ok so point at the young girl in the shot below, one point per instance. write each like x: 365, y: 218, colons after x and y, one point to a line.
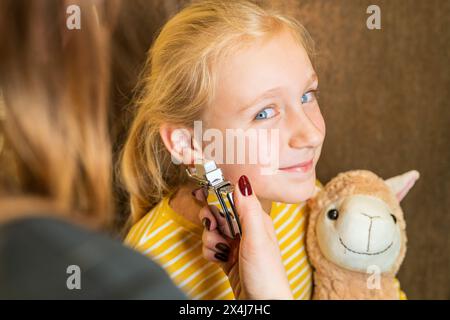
x: 232, y: 65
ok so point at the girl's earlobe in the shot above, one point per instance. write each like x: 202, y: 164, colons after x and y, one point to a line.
x: 401, y: 184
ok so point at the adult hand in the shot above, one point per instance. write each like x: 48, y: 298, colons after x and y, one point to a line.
x: 252, y: 263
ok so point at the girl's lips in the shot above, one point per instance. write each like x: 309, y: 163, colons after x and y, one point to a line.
x: 301, y: 167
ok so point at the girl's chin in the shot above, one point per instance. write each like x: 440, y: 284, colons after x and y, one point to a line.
x: 295, y: 192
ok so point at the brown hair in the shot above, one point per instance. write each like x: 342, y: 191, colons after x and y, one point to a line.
x: 55, y: 87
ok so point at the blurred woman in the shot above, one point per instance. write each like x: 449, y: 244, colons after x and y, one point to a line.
x: 55, y: 159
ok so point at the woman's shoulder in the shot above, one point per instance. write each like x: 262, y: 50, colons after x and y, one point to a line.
x: 57, y: 240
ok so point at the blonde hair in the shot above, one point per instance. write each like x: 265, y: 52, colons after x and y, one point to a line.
x: 178, y: 85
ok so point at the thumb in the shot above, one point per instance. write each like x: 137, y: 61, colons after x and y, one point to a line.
x: 248, y: 207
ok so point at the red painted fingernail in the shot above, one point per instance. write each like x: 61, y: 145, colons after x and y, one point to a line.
x: 244, y: 186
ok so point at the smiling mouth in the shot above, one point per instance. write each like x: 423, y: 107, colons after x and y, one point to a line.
x: 301, y: 167
x: 366, y: 253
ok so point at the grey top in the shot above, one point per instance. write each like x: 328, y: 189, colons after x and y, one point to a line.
x: 42, y: 258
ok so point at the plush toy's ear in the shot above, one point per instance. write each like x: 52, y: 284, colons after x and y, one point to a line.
x: 401, y: 184
x: 311, y: 202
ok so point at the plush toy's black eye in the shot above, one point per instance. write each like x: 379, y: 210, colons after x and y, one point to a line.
x: 394, y: 218
x: 333, y: 214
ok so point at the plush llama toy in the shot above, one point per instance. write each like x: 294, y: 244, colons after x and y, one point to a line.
x: 356, y: 237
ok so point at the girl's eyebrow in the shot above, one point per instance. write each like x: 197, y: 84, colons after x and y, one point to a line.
x: 312, y: 79
x: 266, y: 94
x: 271, y: 92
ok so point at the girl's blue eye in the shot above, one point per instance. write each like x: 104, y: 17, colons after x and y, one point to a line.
x: 267, y: 113
x: 308, y: 97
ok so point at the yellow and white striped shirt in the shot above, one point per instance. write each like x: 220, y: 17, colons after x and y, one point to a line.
x: 175, y: 243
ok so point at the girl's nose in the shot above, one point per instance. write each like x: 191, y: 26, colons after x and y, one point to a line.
x: 305, y: 133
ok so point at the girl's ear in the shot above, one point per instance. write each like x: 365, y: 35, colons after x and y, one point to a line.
x: 180, y: 143
x: 401, y: 184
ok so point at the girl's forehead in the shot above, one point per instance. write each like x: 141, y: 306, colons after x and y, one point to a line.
x: 262, y: 67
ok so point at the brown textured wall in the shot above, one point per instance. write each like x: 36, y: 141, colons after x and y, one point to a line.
x: 385, y: 98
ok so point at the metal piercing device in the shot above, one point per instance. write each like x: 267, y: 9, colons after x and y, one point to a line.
x: 207, y: 174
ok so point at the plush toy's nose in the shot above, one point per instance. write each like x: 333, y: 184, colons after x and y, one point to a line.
x: 365, y: 225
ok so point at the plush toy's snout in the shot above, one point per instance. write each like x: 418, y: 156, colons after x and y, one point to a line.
x: 367, y: 225
x: 359, y: 232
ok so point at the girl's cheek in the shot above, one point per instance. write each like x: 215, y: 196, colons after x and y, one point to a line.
x: 246, y: 159
x: 234, y: 172
x: 317, y: 119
